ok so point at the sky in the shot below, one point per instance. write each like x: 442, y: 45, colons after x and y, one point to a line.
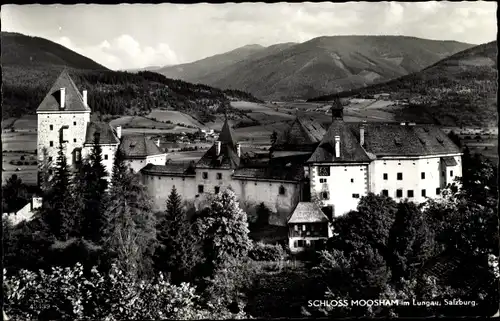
x: 128, y: 36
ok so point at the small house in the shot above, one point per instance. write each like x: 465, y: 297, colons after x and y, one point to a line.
x: 307, y: 227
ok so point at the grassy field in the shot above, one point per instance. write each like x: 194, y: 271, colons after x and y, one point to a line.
x: 27, y: 167
x: 175, y: 117
x: 19, y: 141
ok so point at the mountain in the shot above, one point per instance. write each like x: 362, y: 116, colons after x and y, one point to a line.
x: 22, y: 50
x: 458, y: 90
x: 148, y: 68
x: 26, y: 81
x: 201, y: 68
x: 318, y: 66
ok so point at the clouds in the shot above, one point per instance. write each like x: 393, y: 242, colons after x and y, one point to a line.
x: 138, y: 35
x: 124, y: 52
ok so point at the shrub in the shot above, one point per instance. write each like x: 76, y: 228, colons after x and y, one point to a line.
x: 72, y: 293
x: 22, y: 157
x: 19, y: 163
x: 266, y: 252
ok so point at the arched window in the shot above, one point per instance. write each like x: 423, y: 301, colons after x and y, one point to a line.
x: 282, y: 190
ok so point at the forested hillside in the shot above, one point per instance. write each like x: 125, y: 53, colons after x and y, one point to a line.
x: 26, y: 82
x: 459, y: 90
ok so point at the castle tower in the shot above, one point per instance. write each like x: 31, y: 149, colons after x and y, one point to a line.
x: 63, y: 116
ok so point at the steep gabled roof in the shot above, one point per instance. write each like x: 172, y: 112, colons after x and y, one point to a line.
x: 227, y: 159
x: 350, y: 150
x: 307, y: 212
x: 73, y: 101
x: 302, y: 131
x: 138, y: 147
x: 106, y: 133
x: 226, y: 135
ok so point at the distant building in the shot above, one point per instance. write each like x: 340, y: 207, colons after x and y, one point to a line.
x: 26, y: 213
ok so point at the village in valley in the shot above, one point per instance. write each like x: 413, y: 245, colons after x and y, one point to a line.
x: 152, y: 194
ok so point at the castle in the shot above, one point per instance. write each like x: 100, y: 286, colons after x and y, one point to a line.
x: 309, y: 165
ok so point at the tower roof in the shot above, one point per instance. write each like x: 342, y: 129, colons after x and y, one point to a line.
x: 226, y: 135
x: 73, y: 98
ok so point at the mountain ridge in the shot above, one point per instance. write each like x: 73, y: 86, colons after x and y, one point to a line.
x: 320, y: 65
x: 456, y: 91
x: 26, y: 81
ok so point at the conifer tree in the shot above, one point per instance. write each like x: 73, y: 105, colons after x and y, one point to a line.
x: 178, y: 252
x: 93, y: 192
x: 57, y: 211
x: 129, y: 228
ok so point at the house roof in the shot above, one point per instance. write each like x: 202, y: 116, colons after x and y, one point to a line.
x: 292, y: 173
x: 106, y: 133
x: 449, y: 161
x: 74, y: 100
x: 138, y: 147
x: 172, y: 169
x: 350, y: 150
x: 307, y: 212
x: 382, y: 139
x: 302, y: 131
x: 227, y: 159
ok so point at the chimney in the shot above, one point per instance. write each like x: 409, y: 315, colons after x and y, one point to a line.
x: 238, y: 149
x: 362, y: 135
x: 158, y: 142
x: 337, y: 146
x: 119, y: 132
x: 63, y: 98
x: 217, y: 148
x: 84, y: 94
x: 36, y: 202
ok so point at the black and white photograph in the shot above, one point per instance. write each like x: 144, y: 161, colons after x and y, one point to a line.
x: 288, y: 160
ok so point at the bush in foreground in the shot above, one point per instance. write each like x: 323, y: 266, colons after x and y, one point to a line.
x: 73, y: 293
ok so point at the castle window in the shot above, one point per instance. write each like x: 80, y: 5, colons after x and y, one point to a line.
x: 78, y: 156
x: 324, y: 170
x: 51, y: 143
x: 200, y: 189
x: 204, y: 175
x: 74, y: 140
x: 451, y: 173
x: 322, y: 180
x: 385, y: 176
x: 51, y: 127
x: 423, y: 193
x: 410, y: 193
x: 105, y: 156
x: 282, y: 190
x: 300, y: 243
x: 352, y: 180
x: 217, y: 189
x: 296, y: 227
x: 355, y: 195
x: 385, y: 192
x: 422, y: 175
x: 324, y: 195
x: 400, y: 176
x: 399, y: 193
x: 219, y: 175
x: 74, y: 123
x: 438, y: 191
